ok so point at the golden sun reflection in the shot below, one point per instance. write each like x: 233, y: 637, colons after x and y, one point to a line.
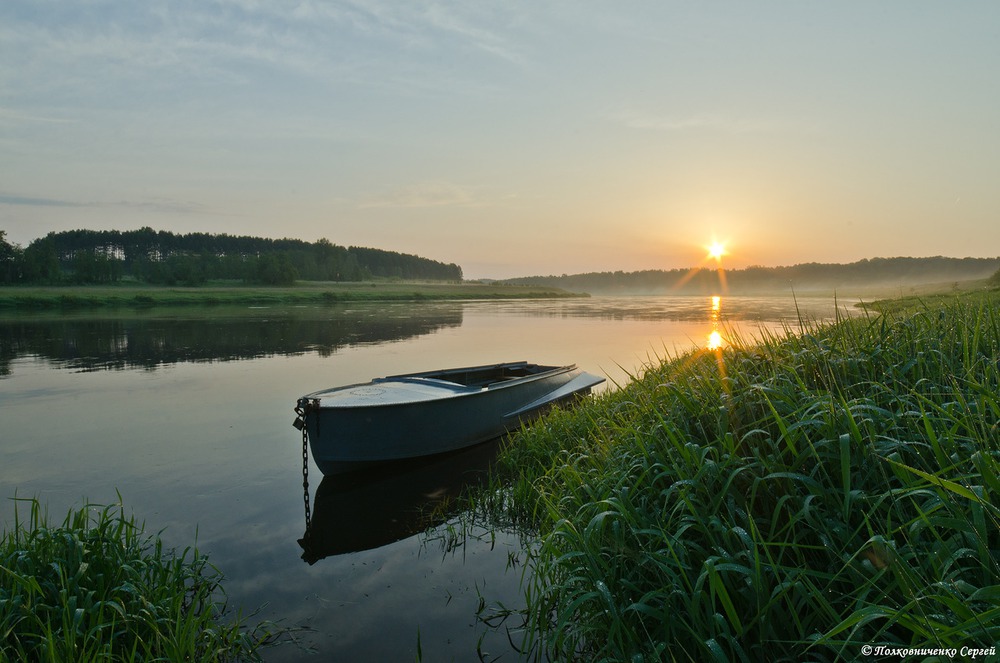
x: 715, y: 339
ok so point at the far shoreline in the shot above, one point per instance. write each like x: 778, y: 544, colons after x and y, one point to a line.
x: 137, y: 296
x: 141, y: 295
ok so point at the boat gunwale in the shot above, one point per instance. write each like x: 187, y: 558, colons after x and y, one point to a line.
x: 460, y: 390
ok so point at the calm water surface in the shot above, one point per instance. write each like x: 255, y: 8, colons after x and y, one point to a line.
x: 188, y: 413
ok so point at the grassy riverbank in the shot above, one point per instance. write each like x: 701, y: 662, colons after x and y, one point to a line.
x: 798, y: 498
x: 96, y: 588
x: 306, y: 293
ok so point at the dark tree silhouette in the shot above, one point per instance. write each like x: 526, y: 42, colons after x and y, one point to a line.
x: 102, y: 256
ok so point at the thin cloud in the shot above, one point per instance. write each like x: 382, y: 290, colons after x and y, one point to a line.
x: 703, y: 121
x: 9, y: 116
x: 163, y: 205
x: 481, y: 38
x: 411, y: 25
x: 28, y: 201
x: 155, y: 205
x: 101, y: 51
x: 425, y: 194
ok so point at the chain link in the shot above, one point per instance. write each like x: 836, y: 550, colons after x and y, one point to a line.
x: 305, y: 477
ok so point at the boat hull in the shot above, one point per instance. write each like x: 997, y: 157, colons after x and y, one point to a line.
x: 413, y: 416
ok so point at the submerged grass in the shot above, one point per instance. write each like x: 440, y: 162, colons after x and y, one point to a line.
x: 96, y: 588
x: 794, y: 498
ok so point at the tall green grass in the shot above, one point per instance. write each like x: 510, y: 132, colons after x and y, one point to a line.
x: 97, y: 588
x: 794, y: 498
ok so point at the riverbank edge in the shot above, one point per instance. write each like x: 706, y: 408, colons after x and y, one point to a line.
x: 130, y: 294
x: 26, y: 298
x: 645, y: 502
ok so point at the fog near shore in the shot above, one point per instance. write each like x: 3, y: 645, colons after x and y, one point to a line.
x: 875, y: 277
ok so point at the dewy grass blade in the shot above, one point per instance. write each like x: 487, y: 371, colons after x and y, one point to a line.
x: 950, y: 486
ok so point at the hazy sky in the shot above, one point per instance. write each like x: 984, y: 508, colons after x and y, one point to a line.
x: 513, y: 138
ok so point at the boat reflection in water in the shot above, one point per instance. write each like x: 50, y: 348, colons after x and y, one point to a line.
x: 373, y: 507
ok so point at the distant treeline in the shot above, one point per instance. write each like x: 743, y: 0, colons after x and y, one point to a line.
x: 106, y: 256
x: 806, y: 276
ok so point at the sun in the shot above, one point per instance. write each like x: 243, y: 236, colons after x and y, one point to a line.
x: 716, y: 250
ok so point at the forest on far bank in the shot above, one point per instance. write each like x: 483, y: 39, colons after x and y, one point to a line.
x: 868, y: 273
x: 162, y: 257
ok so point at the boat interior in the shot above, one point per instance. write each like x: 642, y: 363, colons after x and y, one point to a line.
x: 481, y: 376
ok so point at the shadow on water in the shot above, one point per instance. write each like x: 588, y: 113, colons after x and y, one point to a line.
x: 370, y: 508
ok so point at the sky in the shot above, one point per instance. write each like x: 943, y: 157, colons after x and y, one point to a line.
x: 512, y: 138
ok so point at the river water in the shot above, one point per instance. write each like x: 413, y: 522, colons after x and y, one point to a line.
x: 186, y: 413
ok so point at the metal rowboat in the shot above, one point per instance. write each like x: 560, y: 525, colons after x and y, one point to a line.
x: 421, y: 414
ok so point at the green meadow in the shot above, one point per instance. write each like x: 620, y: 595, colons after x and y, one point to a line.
x: 133, y: 295
x: 799, y: 497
